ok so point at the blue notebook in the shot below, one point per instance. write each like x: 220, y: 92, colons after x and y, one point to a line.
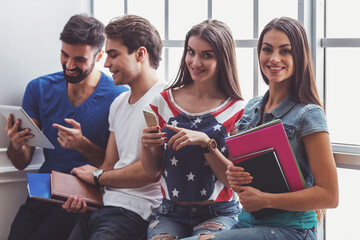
x: 39, y: 187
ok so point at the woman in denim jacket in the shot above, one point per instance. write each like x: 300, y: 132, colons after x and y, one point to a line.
x: 287, y: 68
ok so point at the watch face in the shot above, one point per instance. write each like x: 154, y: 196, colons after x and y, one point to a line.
x: 213, y: 145
x: 98, y: 172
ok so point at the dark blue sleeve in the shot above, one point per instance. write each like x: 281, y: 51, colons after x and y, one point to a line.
x: 30, y: 101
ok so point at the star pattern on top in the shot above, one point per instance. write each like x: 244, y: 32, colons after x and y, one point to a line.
x: 197, y: 120
x: 173, y: 161
x: 217, y: 127
x: 175, y: 193
x: 186, y: 174
x: 190, y: 176
x: 203, y: 192
x: 174, y: 123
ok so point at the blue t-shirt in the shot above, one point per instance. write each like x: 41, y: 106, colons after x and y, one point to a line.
x: 46, y: 100
x: 299, y: 120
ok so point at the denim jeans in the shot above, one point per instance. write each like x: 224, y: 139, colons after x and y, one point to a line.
x: 180, y: 221
x: 110, y: 223
x: 37, y: 220
x: 263, y: 233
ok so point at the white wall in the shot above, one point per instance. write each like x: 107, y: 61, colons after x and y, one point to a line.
x: 29, y: 47
x: 29, y: 43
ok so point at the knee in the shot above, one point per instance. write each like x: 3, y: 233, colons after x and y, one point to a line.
x: 161, y: 236
x: 164, y: 237
x: 211, y: 226
x: 206, y: 236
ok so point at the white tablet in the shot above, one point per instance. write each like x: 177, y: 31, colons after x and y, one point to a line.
x: 26, y: 122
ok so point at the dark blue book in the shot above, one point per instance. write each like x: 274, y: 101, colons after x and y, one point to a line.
x: 268, y: 176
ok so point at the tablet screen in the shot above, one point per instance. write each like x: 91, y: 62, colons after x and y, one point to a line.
x: 40, y: 139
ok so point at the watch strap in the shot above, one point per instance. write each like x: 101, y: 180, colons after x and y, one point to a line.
x: 205, y: 149
x: 97, y: 176
x: 209, y: 148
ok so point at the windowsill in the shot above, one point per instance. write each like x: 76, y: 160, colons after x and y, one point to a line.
x: 346, y: 156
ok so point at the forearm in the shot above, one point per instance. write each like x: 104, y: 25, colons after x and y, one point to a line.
x: 92, y: 152
x: 20, y: 158
x: 132, y: 176
x: 309, y: 199
x: 151, y: 160
x: 218, y: 164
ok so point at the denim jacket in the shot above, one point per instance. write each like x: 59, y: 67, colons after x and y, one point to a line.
x: 299, y: 120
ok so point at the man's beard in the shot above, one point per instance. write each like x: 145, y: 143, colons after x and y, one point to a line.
x: 80, y: 76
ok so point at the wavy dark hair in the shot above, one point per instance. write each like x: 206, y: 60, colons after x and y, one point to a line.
x: 83, y: 29
x: 219, y: 36
x: 134, y: 32
x: 302, y: 86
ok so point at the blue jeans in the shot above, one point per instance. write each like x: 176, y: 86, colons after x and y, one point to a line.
x: 37, y: 220
x: 178, y: 221
x: 110, y: 223
x: 263, y: 233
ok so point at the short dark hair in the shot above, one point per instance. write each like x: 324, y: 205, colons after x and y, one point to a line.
x: 134, y: 32
x: 83, y: 29
x: 302, y: 86
x: 219, y: 36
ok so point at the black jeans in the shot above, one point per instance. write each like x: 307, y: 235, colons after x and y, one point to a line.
x: 37, y: 220
x: 110, y: 223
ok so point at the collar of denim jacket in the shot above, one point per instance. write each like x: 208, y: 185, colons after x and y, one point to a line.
x: 278, y: 112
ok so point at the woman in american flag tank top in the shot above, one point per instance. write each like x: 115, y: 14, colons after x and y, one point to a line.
x: 187, y: 148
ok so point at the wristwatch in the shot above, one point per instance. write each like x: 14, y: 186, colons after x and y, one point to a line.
x: 210, y: 146
x: 97, y: 174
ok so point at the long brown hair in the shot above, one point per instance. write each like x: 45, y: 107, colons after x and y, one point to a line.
x: 219, y: 36
x: 302, y: 86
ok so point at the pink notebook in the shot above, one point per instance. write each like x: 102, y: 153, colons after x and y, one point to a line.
x: 273, y: 135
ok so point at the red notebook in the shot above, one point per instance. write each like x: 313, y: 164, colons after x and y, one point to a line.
x: 65, y: 185
x: 269, y: 135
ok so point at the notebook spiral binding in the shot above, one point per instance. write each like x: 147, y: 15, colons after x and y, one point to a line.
x: 252, y: 154
x: 47, y: 199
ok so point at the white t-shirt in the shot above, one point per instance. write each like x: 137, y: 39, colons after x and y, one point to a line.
x: 127, y: 122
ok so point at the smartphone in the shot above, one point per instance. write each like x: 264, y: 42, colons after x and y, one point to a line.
x: 150, y: 118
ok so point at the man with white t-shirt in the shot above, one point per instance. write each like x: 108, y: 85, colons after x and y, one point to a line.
x: 133, y: 48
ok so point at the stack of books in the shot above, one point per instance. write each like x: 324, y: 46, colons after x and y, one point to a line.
x: 265, y: 153
x: 57, y: 187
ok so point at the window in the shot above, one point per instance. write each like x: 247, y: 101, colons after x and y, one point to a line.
x: 341, y: 72
x: 340, y: 15
x: 169, y: 17
x: 341, y: 46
